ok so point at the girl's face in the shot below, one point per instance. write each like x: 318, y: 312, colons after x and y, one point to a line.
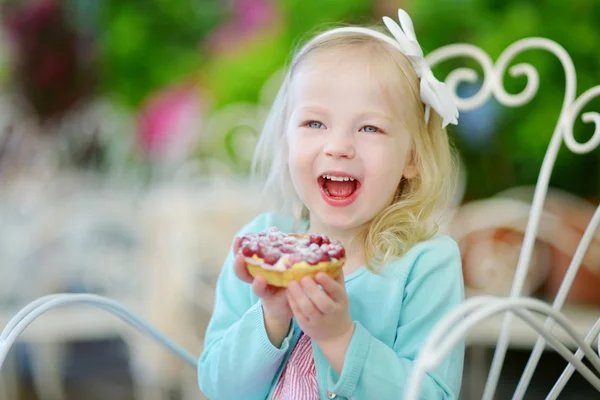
x: 347, y: 150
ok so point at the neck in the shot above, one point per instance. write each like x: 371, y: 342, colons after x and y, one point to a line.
x: 351, y: 239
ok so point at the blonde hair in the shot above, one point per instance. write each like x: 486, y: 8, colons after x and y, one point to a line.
x: 410, y: 217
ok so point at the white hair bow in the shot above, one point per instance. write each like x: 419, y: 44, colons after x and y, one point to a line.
x: 434, y: 94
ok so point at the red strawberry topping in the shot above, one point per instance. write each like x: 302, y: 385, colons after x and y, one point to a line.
x: 271, y: 245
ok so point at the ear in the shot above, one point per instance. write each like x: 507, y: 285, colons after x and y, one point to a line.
x: 410, y: 169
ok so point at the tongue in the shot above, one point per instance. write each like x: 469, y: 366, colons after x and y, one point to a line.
x: 340, y: 188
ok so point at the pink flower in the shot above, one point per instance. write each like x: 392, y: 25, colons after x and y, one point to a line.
x: 169, y: 122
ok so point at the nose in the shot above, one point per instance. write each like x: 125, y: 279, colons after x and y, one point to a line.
x: 339, y: 145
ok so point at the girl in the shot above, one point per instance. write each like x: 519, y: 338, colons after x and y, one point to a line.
x: 356, y: 140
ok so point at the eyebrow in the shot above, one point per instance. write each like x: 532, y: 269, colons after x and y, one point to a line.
x: 312, y: 108
x: 376, y: 114
x: 363, y: 115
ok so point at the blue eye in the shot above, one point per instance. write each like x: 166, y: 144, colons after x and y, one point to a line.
x: 371, y: 129
x: 314, y: 124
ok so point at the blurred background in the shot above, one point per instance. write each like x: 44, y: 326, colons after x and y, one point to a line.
x: 126, y: 133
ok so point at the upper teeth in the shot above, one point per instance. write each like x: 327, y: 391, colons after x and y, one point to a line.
x: 338, y: 178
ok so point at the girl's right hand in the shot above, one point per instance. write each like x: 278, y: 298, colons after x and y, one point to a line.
x: 276, y: 308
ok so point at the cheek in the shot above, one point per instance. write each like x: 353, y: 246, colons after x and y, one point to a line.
x: 300, y: 163
x: 388, y: 182
x: 389, y: 169
x: 295, y: 154
x: 301, y: 150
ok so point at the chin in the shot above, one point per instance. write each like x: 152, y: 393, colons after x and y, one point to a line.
x: 340, y: 220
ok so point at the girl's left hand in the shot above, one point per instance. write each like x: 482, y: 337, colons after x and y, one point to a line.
x: 322, y: 314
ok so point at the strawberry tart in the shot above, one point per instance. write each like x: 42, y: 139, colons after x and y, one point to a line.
x: 282, y: 257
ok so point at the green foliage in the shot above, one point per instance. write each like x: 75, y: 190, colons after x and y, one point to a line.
x: 240, y: 76
x: 148, y: 44
x: 523, y: 134
x: 305, y: 16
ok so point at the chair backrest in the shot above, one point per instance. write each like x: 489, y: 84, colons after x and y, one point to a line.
x: 475, y: 310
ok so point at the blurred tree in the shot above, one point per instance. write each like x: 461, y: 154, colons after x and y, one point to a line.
x: 49, y: 69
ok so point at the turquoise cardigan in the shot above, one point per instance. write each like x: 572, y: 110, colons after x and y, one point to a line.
x: 394, y: 310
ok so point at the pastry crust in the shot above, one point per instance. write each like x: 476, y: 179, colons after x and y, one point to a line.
x: 295, y: 273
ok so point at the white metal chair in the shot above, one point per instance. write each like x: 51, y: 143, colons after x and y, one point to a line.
x: 475, y: 310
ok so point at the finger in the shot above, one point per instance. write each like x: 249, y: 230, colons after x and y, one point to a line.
x: 340, y: 278
x: 241, y: 269
x: 300, y: 317
x: 320, y: 299
x: 333, y: 287
x: 303, y: 302
x: 260, y: 287
x: 237, y: 242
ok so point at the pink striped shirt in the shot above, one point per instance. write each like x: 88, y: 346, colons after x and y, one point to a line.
x: 298, y: 380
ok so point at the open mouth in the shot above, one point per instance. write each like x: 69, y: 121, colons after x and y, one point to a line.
x: 338, y: 187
